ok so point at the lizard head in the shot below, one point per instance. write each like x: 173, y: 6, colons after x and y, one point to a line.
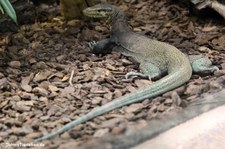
x: 101, y: 11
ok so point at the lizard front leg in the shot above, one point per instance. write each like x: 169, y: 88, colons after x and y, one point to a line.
x: 149, y: 71
x: 102, y: 47
x: 201, y: 64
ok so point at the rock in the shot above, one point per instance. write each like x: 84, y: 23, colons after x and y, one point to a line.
x: 134, y: 108
x: 69, y: 144
x: 40, y: 91
x: 26, y: 87
x: 97, y: 90
x: 102, y: 72
x: 96, y: 100
x: 3, y: 83
x: 142, y: 83
x: 53, y: 88
x: 32, y: 60
x: 161, y: 108
x: 33, y: 135
x: 118, y: 130
x: 175, y: 99
x: 42, y: 76
x: 1, y: 75
x: 112, y: 122
x: 101, y: 132
x: 196, y: 89
x: 15, y: 64
x: 29, y: 96
x: 69, y: 90
x: 23, y: 106
x: 53, y: 110
x: 219, y: 73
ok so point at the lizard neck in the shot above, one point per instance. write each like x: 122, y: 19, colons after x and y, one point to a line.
x: 119, y: 23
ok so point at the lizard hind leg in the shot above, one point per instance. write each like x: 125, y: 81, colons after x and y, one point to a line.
x: 149, y: 71
x: 202, y: 65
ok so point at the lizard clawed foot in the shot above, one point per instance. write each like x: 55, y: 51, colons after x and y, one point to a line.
x: 91, y: 44
x: 208, y: 70
x: 132, y: 73
x: 204, y: 4
x: 213, y: 69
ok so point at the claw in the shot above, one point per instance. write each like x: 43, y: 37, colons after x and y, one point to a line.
x: 129, y: 74
x: 204, y: 4
x: 213, y: 69
x: 92, y: 44
x: 207, y: 70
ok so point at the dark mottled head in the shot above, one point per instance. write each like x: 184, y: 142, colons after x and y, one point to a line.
x: 102, y: 11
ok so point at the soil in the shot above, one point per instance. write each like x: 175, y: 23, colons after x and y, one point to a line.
x: 49, y: 77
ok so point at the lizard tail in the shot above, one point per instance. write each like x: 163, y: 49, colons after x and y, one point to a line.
x: 172, y: 80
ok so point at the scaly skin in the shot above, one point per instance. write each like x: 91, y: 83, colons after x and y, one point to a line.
x: 156, y: 59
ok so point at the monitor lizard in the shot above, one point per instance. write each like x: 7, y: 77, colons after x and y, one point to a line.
x: 156, y: 59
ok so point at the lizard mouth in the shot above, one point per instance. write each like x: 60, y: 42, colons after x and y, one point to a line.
x: 92, y: 14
